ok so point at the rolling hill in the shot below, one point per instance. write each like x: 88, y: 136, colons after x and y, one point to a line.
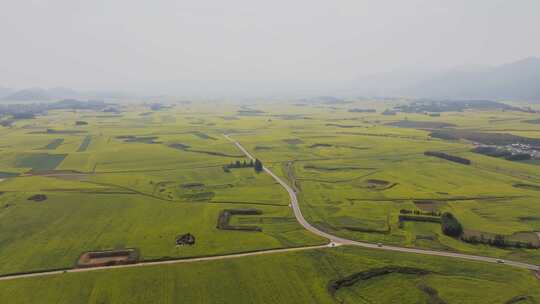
x: 517, y: 80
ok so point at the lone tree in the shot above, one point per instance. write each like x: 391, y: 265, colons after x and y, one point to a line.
x: 450, y: 225
x: 258, y: 166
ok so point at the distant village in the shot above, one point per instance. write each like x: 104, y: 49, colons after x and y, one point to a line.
x: 515, y: 151
x: 533, y: 151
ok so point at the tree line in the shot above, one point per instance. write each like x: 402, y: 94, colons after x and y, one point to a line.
x: 257, y: 165
x: 418, y: 212
x: 497, y: 241
x: 452, y: 158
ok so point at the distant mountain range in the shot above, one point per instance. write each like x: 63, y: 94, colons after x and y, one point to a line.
x: 5, y: 91
x: 518, y: 80
x: 31, y: 94
x: 40, y: 94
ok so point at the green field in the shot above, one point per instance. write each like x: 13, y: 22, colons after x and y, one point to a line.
x: 85, y: 143
x: 140, y: 178
x: 283, y: 278
x: 55, y: 143
x: 40, y: 162
x: 338, y: 169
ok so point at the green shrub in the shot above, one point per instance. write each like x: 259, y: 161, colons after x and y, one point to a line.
x: 450, y: 225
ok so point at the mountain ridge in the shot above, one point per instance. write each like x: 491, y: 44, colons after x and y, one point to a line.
x: 515, y: 80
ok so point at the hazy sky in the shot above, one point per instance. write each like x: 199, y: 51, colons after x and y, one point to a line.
x: 235, y: 46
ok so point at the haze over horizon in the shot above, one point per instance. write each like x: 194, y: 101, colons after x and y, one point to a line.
x: 255, y: 48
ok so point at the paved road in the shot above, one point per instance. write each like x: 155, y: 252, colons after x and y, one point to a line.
x: 142, y: 264
x: 336, y: 240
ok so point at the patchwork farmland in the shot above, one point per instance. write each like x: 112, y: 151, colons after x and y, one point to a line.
x: 120, y: 189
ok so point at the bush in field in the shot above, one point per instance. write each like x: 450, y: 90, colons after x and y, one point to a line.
x: 450, y: 225
x: 258, y: 166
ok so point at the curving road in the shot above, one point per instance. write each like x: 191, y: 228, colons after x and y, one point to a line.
x: 336, y: 240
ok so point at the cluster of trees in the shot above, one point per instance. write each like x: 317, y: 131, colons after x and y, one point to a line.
x: 257, y: 165
x: 444, y: 135
x: 450, y: 225
x: 453, y: 158
x: 497, y: 241
x: 389, y: 112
